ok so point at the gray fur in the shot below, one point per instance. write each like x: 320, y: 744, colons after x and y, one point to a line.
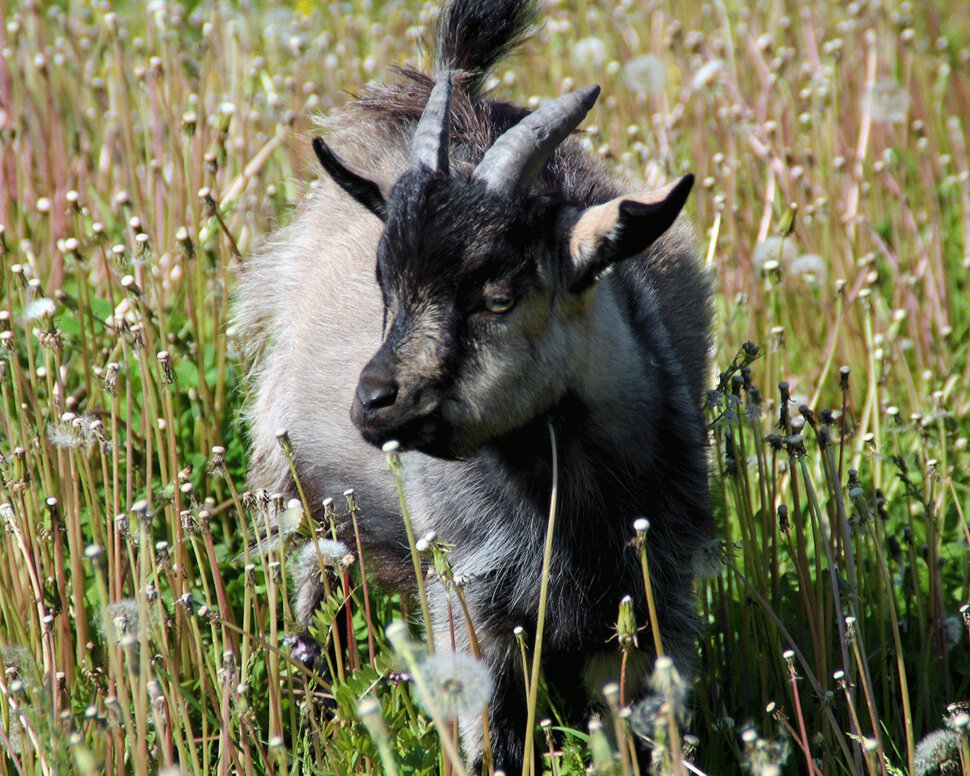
x: 631, y: 351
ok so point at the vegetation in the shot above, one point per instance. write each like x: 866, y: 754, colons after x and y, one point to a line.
x: 144, y: 151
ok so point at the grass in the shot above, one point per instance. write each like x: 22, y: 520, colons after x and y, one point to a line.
x: 143, y: 153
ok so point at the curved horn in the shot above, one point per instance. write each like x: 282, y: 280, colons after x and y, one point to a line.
x: 430, y: 144
x: 518, y: 155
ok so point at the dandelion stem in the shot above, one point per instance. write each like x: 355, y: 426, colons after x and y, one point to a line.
x: 528, y: 761
x: 394, y: 464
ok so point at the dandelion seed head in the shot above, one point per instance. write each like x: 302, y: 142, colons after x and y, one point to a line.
x: 64, y: 435
x: 36, y: 309
x: 646, y: 716
x: 773, y: 249
x: 328, y: 551
x: 288, y: 520
x: 458, y: 685
x: 589, y: 53
x: 938, y: 753
x: 763, y: 757
x: 121, y: 620
x: 645, y: 74
x: 810, y: 269
x: 889, y: 102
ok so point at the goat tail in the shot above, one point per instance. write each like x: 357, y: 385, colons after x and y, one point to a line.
x: 473, y: 35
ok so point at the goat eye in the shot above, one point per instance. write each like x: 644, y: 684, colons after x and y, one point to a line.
x: 498, y: 304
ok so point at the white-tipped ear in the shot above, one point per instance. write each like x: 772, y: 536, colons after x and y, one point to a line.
x: 621, y: 228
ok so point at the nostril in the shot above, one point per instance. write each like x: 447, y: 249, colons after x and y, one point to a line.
x: 375, y: 392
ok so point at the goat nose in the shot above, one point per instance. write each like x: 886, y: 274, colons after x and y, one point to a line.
x: 376, y: 391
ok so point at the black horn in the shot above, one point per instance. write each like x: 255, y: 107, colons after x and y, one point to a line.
x: 516, y: 157
x: 429, y: 148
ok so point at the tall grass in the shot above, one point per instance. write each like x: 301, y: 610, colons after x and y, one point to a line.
x: 143, y: 151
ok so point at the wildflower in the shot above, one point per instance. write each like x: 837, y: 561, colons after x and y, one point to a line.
x: 889, y: 102
x: 810, y: 269
x: 773, y: 248
x: 458, y: 685
x: 706, y: 74
x: 589, y: 53
x: 36, y: 309
x: 645, y: 74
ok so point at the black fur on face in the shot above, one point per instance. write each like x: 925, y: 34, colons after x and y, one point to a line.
x: 448, y: 235
x: 453, y: 263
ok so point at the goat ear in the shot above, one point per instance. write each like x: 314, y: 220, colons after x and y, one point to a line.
x: 621, y: 228
x: 365, y: 191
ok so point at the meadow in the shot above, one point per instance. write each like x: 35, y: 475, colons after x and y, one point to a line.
x: 146, y: 149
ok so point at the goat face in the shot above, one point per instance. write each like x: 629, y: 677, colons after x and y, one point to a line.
x: 488, y: 290
x: 478, y: 338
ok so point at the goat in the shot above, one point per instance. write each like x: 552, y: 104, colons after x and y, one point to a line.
x: 516, y: 286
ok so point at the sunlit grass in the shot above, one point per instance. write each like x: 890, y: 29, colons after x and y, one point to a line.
x: 142, y: 155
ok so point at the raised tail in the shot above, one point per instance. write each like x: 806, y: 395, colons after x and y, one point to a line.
x: 473, y: 35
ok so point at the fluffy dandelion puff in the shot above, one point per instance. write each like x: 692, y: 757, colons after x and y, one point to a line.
x: 647, y: 716
x: 589, y: 52
x: 327, y: 551
x: 458, y: 685
x: 120, y: 620
x: 774, y: 248
x: 938, y: 753
x: 36, y: 309
x: 810, y: 269
x: 889, y: 102
x: 645, y: 74
x: 289, y: 520
x: 65, y: 435
x: 762, y: 756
